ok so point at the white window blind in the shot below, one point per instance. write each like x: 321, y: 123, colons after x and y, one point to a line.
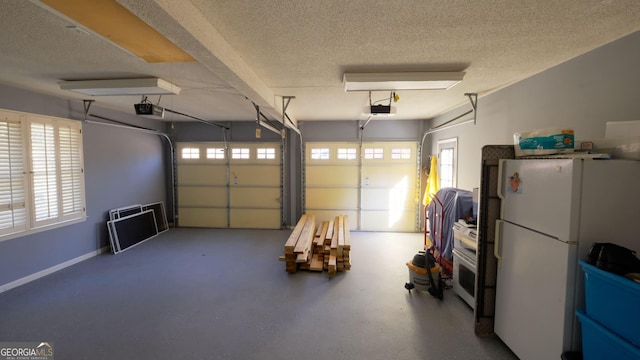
x: 12, y: 177
x: 71, y: 170
x: 41, y: 173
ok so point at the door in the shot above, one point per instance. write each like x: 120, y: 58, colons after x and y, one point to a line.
x: 332, y: 181
x: 539, y: 194
x: 374, y: 183
x: 202, y: 185
x: 388, y: 187
x: 534, y: 293
x: 235, y: 187
x: 254, y: 186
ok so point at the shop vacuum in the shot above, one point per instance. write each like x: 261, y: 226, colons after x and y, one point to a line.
x: 422, y: 279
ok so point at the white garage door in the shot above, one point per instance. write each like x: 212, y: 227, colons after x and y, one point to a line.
x: 331, y: 181
x: 389, y: 186
x: 239, y: 187
x: 375, y: 184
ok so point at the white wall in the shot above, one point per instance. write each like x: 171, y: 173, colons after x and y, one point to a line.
x: 583, y: 94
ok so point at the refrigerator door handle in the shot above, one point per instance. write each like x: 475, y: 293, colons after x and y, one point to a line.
x: 496, y: 243
x: 500, y: 190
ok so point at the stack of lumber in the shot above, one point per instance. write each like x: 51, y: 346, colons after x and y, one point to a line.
x: 297, y: 249
x: 325, y: 247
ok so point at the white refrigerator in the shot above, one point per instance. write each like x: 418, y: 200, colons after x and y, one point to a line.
x: 553, y: 210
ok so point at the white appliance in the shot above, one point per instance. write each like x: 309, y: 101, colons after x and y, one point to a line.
x: 553, y: 210
x: 465, y: 245
x: 464, y: 276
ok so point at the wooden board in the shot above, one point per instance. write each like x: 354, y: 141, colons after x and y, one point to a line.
x: 318, y: 241
x: 303, y: 246
x: 290, y: 245
x: 316, y: 262
x: 332, y: 266
x: 100, y: 17
x: 334, y: 238
x: 330, y: 230
x: 340, y: 233
x: 347, y: 232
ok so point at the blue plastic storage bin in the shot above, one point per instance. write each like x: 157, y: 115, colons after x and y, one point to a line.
x: 613, y: 301
x: 599, y: 343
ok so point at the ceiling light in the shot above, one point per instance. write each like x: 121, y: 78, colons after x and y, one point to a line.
x: 144, y: 86
x: 401, y: 81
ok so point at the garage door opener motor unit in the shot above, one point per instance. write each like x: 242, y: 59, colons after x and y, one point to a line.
x: 148, y: 109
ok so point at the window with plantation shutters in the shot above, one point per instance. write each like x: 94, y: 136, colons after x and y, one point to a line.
x: 12, y: 176
x: 41, y: 173
x: 71, y: 170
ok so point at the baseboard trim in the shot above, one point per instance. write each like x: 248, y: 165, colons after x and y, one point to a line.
x: 51, y: 270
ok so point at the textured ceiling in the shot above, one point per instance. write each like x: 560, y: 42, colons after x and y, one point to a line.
x: 258, y: 51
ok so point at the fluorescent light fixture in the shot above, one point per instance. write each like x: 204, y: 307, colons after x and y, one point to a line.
x: 110, y: 87
x: 401, y: 81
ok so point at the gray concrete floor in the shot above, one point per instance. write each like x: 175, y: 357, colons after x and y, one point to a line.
x: 223, y: 294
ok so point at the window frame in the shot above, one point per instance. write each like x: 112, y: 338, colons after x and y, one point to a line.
x: 374, y: 153
x: 320, y: 153
x: 400, y: 153
x: 448, y: 144
x: 346, y: 153
x: 190, y: 153
x: 215, y: 153
x: 266, y: 153
x: 241, y: 153
x: 56, y: 173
